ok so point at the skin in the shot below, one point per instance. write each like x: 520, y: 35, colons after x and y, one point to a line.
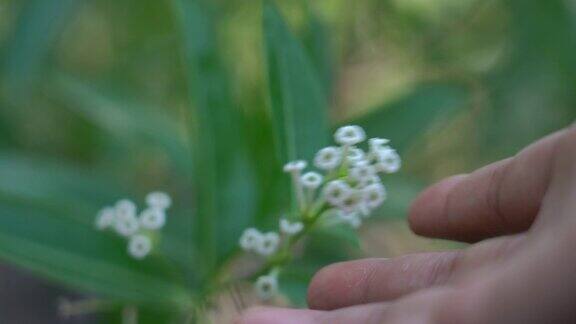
x: 520, y: 215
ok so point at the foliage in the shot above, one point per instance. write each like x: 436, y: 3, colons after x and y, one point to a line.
x: 207, y: 99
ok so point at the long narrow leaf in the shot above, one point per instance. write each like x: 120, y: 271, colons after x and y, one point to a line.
x: 47, y: 211
x: 57, y: 239
x: 223, y: 179
x: 318, y: 44
x: 36, y: 30
x: 124, y: 119
x: 298, y: 103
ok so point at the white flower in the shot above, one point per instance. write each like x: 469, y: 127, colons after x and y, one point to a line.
x: 355, y: 156
x: 373, y: 180
x: 349, y: 135
x: 388, y: 161
x: 295, y: 169
x: 363, y: 209
x: 377, y: 143
x: 266, y: 286
x: 139, y: 246
x: 328, y: 158
x: 158, y: 200
x: 362, y: 173
x: 153, y: 218
x: 125, y: 209
x: 352, y: 202
x: 290, y: 229
x: 295, y: 166
x: 250, y: 239
x: 268, y: 244
x: 311, y: 180
x: 351, y: 219
x: 335, y: 191
x: 127, y: 225
x: 374, y: 195
x: 105, y: 218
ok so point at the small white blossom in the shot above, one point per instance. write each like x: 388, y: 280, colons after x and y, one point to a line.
x: 158, y: 200
x: 266, y: 286
x: 311, y: 180
x: 268, y: 244
x: 377, y: 143
x: 351, y: 219
x: 362, y: 173
x: 127, y: 225
x: 250, y: 239
x: 355, y: 156
x: 349, y: 135
x: 106, y: 218
x: 336, y: 191
x: 153, y: 218
x: 290, y: 229
x: 139, y: 246
x: 374, y: 195
x: 295, y: 166
x: 295, y: 169
x: 373, y: 180
x: 388, y: 161
x: 328, y: 158
x: 363, y: 209
x: 125, y: 221
x: 352, y: 202
x: 125, y: 209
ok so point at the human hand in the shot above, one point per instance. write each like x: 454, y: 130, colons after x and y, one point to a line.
x: 522, y: 213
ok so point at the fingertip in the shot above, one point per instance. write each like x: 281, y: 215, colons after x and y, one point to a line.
x: 427, y: 215
x: 267, y: 315
x: 322, y: 290
x: 342, y: 284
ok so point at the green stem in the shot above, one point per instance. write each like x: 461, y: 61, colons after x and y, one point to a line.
x: 283, y: 256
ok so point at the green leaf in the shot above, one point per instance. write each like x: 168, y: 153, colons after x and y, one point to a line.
x: 56, y: 239
x: 406, y: 119
x: 37, y: 28
x: 47, y: 214
x: 75, y: 254
x: 294, y: 285
x: 402, y: 190
x: 51, y: 180
x: 532, y: 91
x: 297, y: 99
x: 223, y: 179
x: 341, y: 233
x: 7, y: 130
x: 51, y: 185
x: 124, y: 119
x: 145, y: 316
x: 317, y: 41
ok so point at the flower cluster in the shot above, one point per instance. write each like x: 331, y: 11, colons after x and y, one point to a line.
x: 345, y: 189
x: 138, y: 229
x: 351, y: 188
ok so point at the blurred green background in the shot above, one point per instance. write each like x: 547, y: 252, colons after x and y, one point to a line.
x: 104, y: 99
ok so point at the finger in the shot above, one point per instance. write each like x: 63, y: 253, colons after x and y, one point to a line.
x: 419, y: 309
x: 267, y: 315
x: 536, y: 286
x: 365, y: 314
x: 539, y: 281
x: 502, y: 198
x: 376, y: 280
